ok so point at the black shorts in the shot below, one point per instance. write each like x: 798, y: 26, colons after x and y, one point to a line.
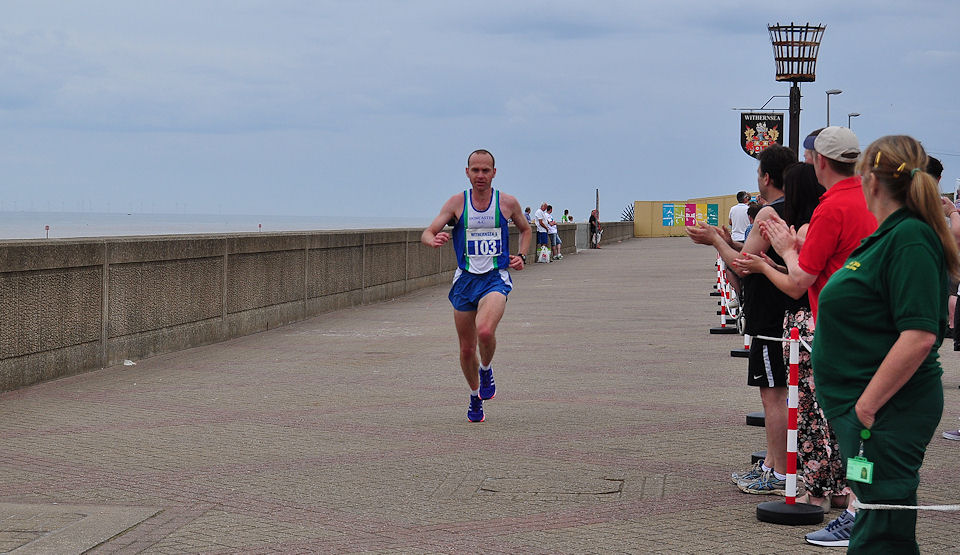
x: 766, y: 368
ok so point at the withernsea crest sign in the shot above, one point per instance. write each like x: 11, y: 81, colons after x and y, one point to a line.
x: 759, y: 131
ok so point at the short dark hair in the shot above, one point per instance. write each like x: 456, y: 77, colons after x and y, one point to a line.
x: 753, y: 209
x: 842, y: 168
x: 742, y: 196
x: 773, y: 160
x: 482, y: 151
x: 934, y: 167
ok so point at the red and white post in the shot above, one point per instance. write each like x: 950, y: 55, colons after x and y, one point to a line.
x: 793, y: 397
x: 789, y: 511
x: 722, y: 288
x: 719, y: 273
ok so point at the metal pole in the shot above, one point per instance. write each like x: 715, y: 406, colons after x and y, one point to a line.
x: 851, y: 115
x: 831, y: 91
x: 795, y: 117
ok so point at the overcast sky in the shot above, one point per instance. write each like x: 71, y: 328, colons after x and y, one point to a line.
x: 370, y: 107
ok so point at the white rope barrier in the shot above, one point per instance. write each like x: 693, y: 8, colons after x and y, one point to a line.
x: 858, y: 505
x: 782, y: 340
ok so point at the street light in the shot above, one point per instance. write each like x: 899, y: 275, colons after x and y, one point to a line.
x: 831, y: 91
x: 851, y: 115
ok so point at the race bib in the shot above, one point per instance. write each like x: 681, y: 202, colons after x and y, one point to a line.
x: 484, y: 242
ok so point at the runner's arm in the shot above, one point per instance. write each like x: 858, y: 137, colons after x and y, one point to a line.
x: 434, y: 236
x: 516, y: 213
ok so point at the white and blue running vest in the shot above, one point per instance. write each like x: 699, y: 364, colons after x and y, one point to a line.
x: 481, y: 239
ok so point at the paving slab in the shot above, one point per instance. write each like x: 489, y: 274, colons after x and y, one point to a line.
x: 617, y: 422
x: 52, y: 528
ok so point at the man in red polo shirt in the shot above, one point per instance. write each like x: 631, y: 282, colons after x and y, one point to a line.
x: 839, y: 222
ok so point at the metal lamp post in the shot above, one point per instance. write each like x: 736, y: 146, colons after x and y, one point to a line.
x: 795, y: 49
x: 851, y: 115
x: 830, y: 92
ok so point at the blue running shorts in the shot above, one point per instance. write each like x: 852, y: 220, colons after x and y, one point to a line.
x: 468, y: 289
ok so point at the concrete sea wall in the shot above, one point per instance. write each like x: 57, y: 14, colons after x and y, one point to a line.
x: 72, y: 305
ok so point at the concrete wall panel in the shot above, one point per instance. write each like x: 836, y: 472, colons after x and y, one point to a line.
x: 384, y: 263
x: 154, y: 295
x: 17, y: 372
x: 263, y: 279
x: 49, y: 310
x: 39, y: 254
x: 335, y: 270
x: 170, y: 247
x: 262, y: 319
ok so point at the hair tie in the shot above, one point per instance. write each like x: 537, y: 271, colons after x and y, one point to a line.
x: 913, y: 172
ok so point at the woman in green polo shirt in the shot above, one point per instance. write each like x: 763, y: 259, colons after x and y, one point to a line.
x: 880, y: 322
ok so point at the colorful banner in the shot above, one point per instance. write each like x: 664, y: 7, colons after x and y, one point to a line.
x: 713, y: 214
x: 667, y: 215
x: 681, y: 214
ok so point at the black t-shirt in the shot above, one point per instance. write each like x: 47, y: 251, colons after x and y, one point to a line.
x: 764, y: 305
x: 593, y: 223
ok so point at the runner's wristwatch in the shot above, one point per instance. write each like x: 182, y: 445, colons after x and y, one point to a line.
x: 522, y: 257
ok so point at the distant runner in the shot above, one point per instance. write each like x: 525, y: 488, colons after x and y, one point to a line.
x: 481, y: 239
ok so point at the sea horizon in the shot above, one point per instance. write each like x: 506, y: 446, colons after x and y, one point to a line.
x: 67, y: 225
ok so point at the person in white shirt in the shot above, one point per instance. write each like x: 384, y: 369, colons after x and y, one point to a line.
x: 553, y: 235
x: 738, y: 218
x: 540, y: 219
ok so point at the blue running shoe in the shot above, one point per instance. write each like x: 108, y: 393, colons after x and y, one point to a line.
x: 836, y: 534
x: 475, y: 412
x: 488, y: 389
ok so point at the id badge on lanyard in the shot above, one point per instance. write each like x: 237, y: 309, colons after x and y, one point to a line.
x: 859, y: 469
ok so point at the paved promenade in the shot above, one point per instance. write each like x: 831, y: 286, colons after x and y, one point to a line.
x: 617, y: 422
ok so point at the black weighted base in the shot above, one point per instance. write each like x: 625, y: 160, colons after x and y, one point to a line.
x: 740, y: 353
x: 756, y: 419
x: 799, y: 514
x: 729, y: 330
x: 758, y: 456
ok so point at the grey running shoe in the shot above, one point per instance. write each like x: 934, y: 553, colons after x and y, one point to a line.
x: 952, y: 434
x: 766, y: 484
x: 836, y: 533
x: 749, y: 475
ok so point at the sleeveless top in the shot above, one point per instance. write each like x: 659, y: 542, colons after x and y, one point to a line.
x: 763, y: 304
x: 482, y: 239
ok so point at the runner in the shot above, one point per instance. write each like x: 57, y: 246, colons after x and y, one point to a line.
x: 481, y: 240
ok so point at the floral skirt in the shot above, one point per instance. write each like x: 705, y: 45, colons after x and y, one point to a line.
x: 818, y: 453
